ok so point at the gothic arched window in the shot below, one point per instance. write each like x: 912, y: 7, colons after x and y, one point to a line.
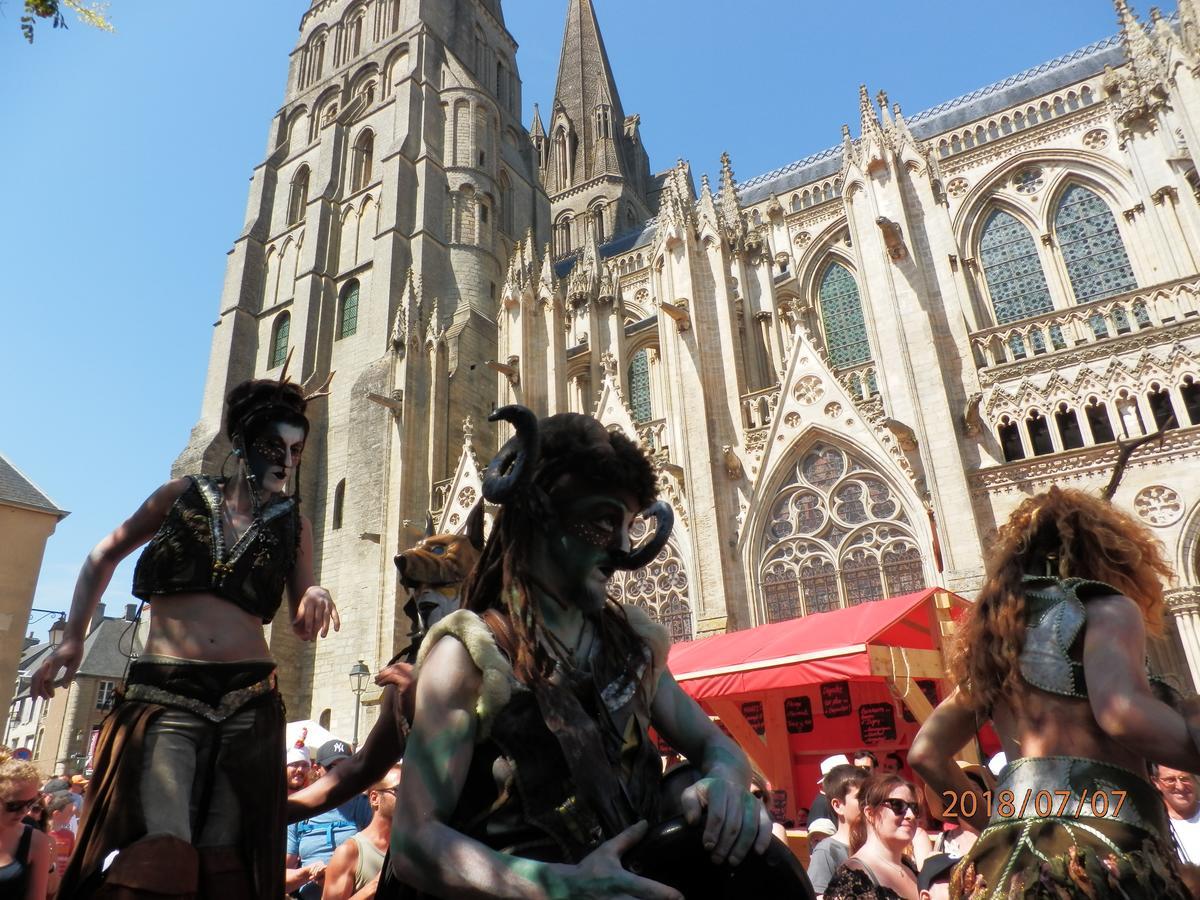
x: 348, y: 310
x: 298, y: 198
x: 1012, y: 269
x: 841, y: 314
x: 1091, y: 246
x: 639, y: 387
x: 279, y: 340
x: 837, y: 536
x: 562, y: 235
x: 661, y: 588
x: 362, y: 160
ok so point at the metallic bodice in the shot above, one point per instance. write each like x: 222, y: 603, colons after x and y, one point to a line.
x: 1055, y: 617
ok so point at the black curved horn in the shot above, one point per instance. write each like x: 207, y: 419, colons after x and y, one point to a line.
x: 516, y: 460
x: 664, y: 517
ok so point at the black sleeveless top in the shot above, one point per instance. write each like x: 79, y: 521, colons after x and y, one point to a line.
x: 188, y: 553
x: 14, y: 877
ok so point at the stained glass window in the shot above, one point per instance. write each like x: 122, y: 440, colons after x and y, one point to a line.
x: 1091, y: 246
x: 639, y: 387
x: 842, y: 316
x: 835, y: 506
x: 348, y: 317
x: 1012, y: 269
x: 279, y: 341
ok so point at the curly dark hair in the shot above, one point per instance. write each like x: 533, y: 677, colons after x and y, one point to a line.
x: 1070, y: 534
x: 258, y: 402
x: 579, y: 446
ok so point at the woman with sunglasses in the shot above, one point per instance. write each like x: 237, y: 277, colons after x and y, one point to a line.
x: 24, y: 851
x: 878, y: 868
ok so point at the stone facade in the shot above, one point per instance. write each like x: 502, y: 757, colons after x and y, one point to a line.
x: 27, y: 519
x: 848, y: 370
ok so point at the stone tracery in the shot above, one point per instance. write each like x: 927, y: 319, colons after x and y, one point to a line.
x: 660, y: 588
x: 837, y: 536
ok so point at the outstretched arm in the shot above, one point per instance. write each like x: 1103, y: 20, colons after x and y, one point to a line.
x: 736, y: 821
x: 434, y: 858
x: 94, y: 577
x: 1114, y: 654
x: 379, y: 752
x: 947, y: 730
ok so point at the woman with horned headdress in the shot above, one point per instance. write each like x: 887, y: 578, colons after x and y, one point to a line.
x: 188, y: 794
x: 529, y: 770
x: 1053, y: 653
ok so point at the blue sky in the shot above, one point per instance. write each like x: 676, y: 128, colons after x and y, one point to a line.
x: 127, y: 158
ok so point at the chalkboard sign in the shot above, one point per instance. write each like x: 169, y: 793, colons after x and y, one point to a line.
x: 929, y: 688
x: 753, y: 711
x: 835, y: 699
x: 798, y: 712
x: 876, y: 723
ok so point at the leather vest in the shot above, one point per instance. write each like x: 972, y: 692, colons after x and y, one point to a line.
x: 1055, y: 616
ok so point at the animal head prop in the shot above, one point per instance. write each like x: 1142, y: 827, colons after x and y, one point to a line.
x: 434, y: 570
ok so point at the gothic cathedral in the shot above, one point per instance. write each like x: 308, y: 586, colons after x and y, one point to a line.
x: 848, y: 370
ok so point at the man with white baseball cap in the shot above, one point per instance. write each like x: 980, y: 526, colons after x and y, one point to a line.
x: 298, y: 768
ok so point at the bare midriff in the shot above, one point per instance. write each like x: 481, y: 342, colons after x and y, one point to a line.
x: 1051, y: 725
x: 206, y: 628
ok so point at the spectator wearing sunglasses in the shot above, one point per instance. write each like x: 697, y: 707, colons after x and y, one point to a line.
x: 878, y: 868
x: 358, y: 862
x: 24, y: 850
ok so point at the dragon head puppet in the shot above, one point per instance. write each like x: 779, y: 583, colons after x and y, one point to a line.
x: 435, y: 569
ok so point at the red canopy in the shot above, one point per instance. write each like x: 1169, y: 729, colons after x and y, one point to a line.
x: 817, y: 648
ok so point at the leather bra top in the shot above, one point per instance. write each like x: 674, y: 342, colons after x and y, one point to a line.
x: 188, y: 554
x: 1055, y: 617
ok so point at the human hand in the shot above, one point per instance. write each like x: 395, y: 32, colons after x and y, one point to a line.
x: 66, y: 658
x: 398, y: 673
x: 734, y: 819
x: 316, y: 872
x: 314, y: 614
x: 600, y: 875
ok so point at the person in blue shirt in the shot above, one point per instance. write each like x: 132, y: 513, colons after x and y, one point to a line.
x: 311, y: 842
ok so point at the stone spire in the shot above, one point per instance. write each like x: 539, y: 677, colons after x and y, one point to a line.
x: 537, y: 130
x: 600, y: 141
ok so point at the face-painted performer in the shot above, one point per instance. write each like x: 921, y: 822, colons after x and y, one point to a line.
x: 189, y: 784
x: 433, y: 571
x: 1053, y: 653
x: 529, y: 771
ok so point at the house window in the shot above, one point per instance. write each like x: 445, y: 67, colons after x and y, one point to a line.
x: 1091, y: 245
x: 348, y: 310
x: 279, y: 341
x: 105, y: 692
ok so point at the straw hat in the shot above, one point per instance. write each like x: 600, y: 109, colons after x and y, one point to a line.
x: 934, y: 801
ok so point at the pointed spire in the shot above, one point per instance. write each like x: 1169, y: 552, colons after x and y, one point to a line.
x: 408, y: 312
x: 587, y: 93
x: 885, y: 114
x: 1138, y: 46
x: 537, y: 129
x: 728, y: 205
x: 547, y: 277
x: 868, y: 121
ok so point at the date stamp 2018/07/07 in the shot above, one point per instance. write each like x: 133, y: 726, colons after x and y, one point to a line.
x: 1043, y: 804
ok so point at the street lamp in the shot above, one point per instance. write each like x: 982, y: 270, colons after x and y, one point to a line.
x: 359, y: 673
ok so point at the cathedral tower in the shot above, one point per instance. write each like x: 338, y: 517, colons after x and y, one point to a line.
x: 397, y: 177
x: 592, y: 161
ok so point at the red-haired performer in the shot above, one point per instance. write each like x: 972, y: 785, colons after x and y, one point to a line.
x: 189, y: 783
x: 1053, y: 653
